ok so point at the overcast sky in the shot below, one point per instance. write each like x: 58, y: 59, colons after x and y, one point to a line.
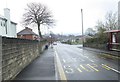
x: 67, y: 13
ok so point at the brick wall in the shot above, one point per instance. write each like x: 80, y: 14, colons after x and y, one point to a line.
x: 17, y: 54
x: 29, y: 36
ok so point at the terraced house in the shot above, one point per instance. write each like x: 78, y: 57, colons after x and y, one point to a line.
x: 7, y: 27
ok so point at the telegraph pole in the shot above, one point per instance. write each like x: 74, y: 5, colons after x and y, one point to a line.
x: 6, y: 4
x: 82, y: 27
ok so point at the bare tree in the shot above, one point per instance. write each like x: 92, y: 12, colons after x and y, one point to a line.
x: 38, y: 14
x: 111, y: 21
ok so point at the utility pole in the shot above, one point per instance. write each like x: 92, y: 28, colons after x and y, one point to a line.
x: 6, y: 4
x: 82, y: 27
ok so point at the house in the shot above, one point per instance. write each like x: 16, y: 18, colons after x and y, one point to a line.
x: 27, y: 33
x: 7, y: 27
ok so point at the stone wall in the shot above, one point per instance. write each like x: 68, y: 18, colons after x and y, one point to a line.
x: 17, y: 54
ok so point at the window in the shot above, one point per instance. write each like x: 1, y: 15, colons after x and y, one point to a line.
x: 113, y: 39
x: 5, y: 26
x: 1, y: 23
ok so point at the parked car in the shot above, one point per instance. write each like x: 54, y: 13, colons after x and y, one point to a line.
x: 54, y: 43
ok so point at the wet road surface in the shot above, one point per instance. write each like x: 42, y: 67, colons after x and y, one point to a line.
x: 75, y: 63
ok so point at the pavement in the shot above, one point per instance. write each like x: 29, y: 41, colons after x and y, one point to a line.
x: 42, y: 68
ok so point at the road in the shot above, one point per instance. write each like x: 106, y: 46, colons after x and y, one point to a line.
x: 75, y: 63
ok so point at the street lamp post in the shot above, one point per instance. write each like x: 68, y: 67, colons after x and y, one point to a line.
x: 82, y: 27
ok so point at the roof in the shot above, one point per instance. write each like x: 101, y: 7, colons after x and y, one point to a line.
x: 13, y: 23
x: 112, y: 31
x: 4, y: 18
x: 26, y: 31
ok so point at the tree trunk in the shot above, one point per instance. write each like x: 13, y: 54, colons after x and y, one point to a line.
x: 40, y: 35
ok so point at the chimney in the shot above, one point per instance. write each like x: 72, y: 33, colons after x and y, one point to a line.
x: 7, y: 13
x: 7, y: 16
x: 28, y: 28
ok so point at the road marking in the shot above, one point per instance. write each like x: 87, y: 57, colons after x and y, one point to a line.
x: 83, y: 68
x: 91, y: 60
x: 79, y: 70
x: 60, y: 69
x: 111, y: 68
x: 68, y: 69
x: 56, y: 74
x: 88, y: 58
x: 105, y: 67
x: 92, y: 67
x: 64, y: 61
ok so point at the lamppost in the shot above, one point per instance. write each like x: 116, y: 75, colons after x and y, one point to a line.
x: 82, y: 27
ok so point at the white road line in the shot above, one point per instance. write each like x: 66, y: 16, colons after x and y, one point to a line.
x: 79, y: 70
x: 111, y: 68
x: 56, y: 74
x: 64, y: 60
x: 68, y: 69
x: 88, y: 58
x: 91, y: 60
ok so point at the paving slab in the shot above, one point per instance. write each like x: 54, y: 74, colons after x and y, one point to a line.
x: 42, y: 68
